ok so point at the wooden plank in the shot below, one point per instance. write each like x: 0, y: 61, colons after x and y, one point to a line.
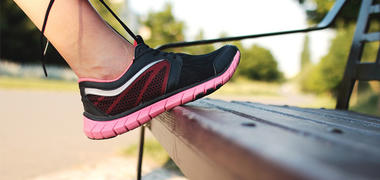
x: 350, y: 120
x: 202, y: 154
x: 343, y: 119
x: 303, y: 124
x: 211, y: 139
x: 348, y: 115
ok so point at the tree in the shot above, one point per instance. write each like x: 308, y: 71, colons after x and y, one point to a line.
x: 107, y: 16
x: 305, y: 54
x: 164, y: 27
x: 320, y: 8
x: 20, y: 39
x: 327, y: 74
x: 258, y: 63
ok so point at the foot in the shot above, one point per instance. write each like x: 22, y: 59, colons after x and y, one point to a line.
x: 155, y: 82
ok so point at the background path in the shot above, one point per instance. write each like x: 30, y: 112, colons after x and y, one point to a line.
x: 41, y: 132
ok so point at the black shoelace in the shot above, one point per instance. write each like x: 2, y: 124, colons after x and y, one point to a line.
x: 44, y: 49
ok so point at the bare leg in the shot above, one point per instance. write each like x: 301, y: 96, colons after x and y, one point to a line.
x: 90, y: 47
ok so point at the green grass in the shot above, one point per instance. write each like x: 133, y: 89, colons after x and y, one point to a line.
x: 244, y: 87
x: 37, y: 84
x: 152, y: 150
x: 321, y: 101
x: 367, y: 104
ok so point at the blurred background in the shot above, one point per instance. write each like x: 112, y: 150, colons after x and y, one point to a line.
x: 41, y: 126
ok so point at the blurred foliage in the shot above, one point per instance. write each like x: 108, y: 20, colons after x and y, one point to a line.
x: 116, y: 7
x: 163, y: 27
x: 325, y: 76
x: 201, y: 49
x: 305, y: 54
x: 20, y: 38
x: 152, y: 150
x: 258, y: 63
x: 366, y: 97
x: 244, y: 87
x: 38, y: 84
x: 317, y: 9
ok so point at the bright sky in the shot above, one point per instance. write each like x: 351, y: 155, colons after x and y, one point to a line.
x: 243, y: 17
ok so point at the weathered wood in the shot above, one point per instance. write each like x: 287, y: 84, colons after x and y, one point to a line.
x: 213, y: 139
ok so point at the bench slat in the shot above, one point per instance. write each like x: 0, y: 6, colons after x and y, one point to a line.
x: 213, y: 139
x: 351, y: 116
x: 343, y: 119
x: 304, y: 124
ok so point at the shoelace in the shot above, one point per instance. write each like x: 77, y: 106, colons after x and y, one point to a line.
x: 138, y: 39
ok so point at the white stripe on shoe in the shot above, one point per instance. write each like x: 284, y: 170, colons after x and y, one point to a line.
x: 117, y: 91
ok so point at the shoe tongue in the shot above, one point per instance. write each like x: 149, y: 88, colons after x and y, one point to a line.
x: 140, y: 49
x: 140, y: 46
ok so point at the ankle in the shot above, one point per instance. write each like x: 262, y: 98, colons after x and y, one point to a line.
x: 105, y: 72
x: 105, y: 67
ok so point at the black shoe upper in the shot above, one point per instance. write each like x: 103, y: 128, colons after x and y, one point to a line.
x: 197, y: 68
x: 185, y: 72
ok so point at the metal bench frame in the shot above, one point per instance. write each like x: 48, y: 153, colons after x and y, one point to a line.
x: 355, y: 70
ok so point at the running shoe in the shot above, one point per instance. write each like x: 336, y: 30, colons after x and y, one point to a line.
x: 155, y: 82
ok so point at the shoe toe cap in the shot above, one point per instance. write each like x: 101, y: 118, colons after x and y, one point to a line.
x: 224, y: 58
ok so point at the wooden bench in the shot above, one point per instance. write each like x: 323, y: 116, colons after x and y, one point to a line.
x: 214, y: 139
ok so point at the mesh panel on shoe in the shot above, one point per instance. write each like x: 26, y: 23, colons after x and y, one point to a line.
x: 156, y: 87
x: 102, y: 102
x: 147, y: 86
x: 129, y: 99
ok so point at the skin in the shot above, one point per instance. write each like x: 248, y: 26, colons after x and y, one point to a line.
x: 87, y: 43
